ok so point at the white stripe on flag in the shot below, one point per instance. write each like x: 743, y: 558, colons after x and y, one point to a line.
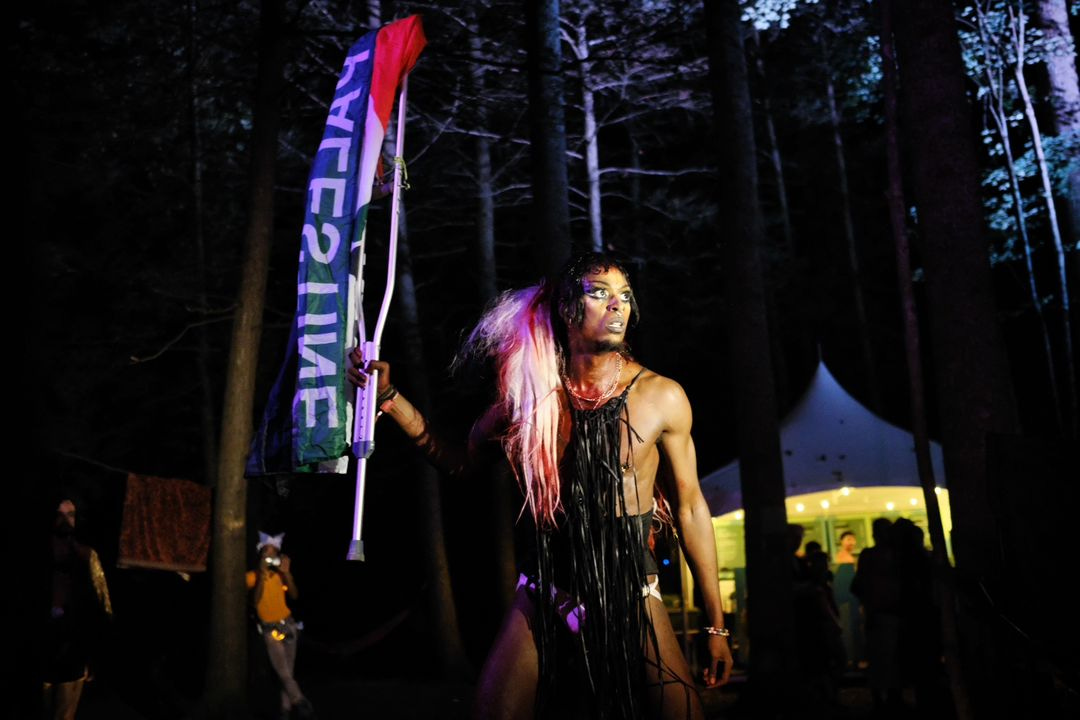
x: 317, y: 288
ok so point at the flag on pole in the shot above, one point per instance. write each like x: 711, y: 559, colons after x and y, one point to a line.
x: 307, y: 420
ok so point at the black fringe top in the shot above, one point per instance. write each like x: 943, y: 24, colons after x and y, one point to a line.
x: 596, y: 556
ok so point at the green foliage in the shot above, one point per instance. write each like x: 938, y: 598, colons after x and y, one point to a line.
x: 837, y: 41
x: 768, y: 14
x: 1063, y: 158
x: 989, y: 35
x: 864, y: 89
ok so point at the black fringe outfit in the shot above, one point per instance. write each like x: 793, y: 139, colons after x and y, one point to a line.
x: 594, y: 566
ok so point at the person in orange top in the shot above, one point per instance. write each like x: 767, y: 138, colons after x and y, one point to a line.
x: 270, y: 583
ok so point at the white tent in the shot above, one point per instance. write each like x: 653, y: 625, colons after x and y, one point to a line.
x: 830, y: 441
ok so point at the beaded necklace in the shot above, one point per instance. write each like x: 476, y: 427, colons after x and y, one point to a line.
x: 598, y: 400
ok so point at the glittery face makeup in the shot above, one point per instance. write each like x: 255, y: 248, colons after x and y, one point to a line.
x: 606, y: 315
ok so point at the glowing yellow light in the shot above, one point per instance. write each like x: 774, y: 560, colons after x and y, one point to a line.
x: 937, y: 491
x: 890, y: 506
x: 738, y: 514
x: 277, y: 634
x: 914, y: 502
x: 845, y: 491
x: 799, y: 507
x: 825, y: 504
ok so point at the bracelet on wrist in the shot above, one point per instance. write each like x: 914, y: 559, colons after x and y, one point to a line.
x: 385, y: 400
x: 388, y: 394
x: 718, y: 631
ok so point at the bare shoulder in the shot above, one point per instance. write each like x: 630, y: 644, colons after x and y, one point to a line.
x: 659, y: 388
x: 666, y: 395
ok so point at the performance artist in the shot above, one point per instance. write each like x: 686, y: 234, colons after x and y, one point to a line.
x: 602, y: 450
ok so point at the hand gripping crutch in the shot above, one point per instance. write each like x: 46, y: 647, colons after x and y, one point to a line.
x: 367, y: 396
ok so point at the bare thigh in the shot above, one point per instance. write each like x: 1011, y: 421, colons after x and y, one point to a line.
x: 66, y: 699
x: 507, y: 686
x: 671, y: 688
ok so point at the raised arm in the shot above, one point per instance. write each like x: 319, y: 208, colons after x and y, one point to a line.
x: 287, y: 579
x: 693, y: 518
x: 450, y: 457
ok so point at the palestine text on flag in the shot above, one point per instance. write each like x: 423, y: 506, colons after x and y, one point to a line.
x: 306, y: 423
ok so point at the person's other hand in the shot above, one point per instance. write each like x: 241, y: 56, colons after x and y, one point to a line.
x: 719, y: 662
x: 359, y: 371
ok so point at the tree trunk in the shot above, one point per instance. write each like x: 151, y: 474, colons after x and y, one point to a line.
x: 995, y: 105
x: 374, y: 18
x: 639, y: 251
x: 227, y: 661
x: 973, y: 379
x: 1051, y: 211
x: 869, y: 367
x: 547, y: 124
x: 783, y: 267
x: 974, y: 389
x: 944, y: 579
x: 1001, y: 120
x: 592, y: 148
x: 767, y: 553
x: 441, y: 609
x: 500, y: 483
x: 485, y: 198
x: 775, y: 160
x: 1053, y: 20
x: 202, y: 357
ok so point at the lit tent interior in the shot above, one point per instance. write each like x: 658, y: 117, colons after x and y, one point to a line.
x: 843, y: 467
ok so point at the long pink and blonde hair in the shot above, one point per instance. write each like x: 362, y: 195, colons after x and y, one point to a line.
x: 517, y: 332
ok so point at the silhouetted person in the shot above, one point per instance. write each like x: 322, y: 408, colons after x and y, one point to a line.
x: 817, y: 626
x: 920, y: 621
x: 80, y: 606
x: 877, y: 585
